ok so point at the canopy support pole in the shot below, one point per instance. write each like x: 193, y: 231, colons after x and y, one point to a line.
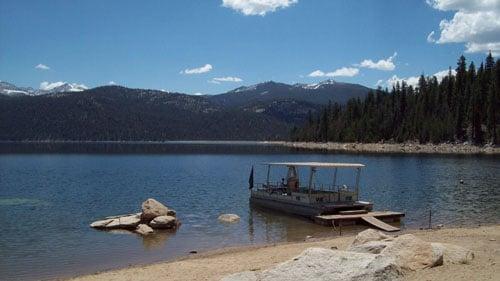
x: 311, y: 176
x: 357, y: 184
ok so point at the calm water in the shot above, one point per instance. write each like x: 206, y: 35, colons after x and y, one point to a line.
x: 47, y: 200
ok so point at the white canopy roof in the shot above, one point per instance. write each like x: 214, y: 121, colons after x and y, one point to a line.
x: 317, y: 164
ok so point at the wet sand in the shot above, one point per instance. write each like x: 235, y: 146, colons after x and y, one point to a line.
x: 483, y: 241
x: 412, y: 148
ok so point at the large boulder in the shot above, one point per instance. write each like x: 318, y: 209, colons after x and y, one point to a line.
x: 371, y: 247
x: 453, y: 254
x: 412, y: 253
x: 367, y: 236
x: 152, y: 209
x: 229, y: 218
x: 164, y: 222
x: 143, y: 229
x: 325, y: 264
x: 130, y: 221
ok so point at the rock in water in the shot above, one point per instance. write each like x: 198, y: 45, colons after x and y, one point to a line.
x: 152, y: 209
x: 125, y: 221
x: 453, y: 254
x: 163, y: 222
x: 324, y: 264
x: 143, y: 229
x: 229, y: 218
x: 101, y: 223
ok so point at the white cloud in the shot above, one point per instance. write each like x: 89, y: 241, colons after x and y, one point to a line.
x: 413, y: 80
x: 344, y: 71
x: 202, y: 69
x: 475, y: 23
x: 42, y: 66
x: 257, y: 7
x: 198, y: 94
x: 112, y: 83
x: 218, y: 80
x: 443, y: 73
x: 379, y: 83
x: 430, y: 37
x: 386, y: 65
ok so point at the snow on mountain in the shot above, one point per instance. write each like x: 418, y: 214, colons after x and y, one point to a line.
x: 12, y: 90
x: 45, y: 88
x: 59, y: 87
x: 315, y: 86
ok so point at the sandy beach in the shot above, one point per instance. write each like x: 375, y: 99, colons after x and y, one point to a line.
x: 484, y: 241
x: 412, y: 148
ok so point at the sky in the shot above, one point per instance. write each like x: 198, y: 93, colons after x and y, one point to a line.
x: 212, y: 46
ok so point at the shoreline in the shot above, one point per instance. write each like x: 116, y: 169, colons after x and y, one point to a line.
x: 215, y: 264
x: 394, y: 148
x: 376, y: 148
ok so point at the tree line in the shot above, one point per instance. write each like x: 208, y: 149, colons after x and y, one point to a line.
x: 463, y: 106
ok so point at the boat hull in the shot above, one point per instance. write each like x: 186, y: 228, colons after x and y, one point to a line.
x: 304, y: 209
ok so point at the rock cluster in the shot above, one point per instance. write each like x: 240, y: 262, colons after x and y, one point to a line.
x: 154, y: 215
x: 372, y: 256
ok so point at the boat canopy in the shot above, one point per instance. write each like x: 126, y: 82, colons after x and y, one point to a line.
x: 316, y: 164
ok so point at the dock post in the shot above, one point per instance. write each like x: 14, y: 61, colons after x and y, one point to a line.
x: 268, y: 173
x: 430, y: 219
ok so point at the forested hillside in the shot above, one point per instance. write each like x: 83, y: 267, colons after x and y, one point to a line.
x: 461, y: 107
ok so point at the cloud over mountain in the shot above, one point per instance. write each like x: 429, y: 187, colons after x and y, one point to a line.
x: 475, y: 23
x: 42, y: 66
x: 383, y: 64
x: 198, y: 70
x: 341, y: 72
x: 257, y: 7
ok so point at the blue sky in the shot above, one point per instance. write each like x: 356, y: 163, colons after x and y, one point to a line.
x: 160, y: 44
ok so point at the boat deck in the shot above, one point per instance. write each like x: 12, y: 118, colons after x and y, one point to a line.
x: 375, y: 219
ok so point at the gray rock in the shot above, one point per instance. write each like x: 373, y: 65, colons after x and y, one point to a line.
x: 152, y: 209
x: 369, y: 235
x: 229, y: 218
x: 412, y: 253
x: 324, y: 264
x: 101, y: 223
x: 124, y: 222
x: 143, y: 229
x: 163, y: 222
x: 371, y: 247
x: 453, y: 254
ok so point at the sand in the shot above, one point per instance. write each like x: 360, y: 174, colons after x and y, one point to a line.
x: 409, y: 147
x: 483, y: 241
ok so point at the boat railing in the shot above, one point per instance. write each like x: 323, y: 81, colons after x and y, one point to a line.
x: 329, y: 193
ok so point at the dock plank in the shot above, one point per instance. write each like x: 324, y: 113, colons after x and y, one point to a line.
x: 357, y: 216
x: 379, y: 224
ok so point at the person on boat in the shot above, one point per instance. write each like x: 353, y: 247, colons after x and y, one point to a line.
x: 283, y: 182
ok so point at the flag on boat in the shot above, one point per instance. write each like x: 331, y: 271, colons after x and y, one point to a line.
x: 250, y: 179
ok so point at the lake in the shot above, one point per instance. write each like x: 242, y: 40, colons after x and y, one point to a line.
x: 50, y: 193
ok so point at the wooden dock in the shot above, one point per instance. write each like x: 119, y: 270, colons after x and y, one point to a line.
x: 376, y: 219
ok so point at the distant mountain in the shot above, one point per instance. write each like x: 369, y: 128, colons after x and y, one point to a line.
x: 63, y: 111
x: 318, y: 94
x: 47, y: 88
x: 13, y: 90
x: 116, y: 113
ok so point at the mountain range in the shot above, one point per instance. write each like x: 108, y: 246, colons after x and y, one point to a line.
x: 64, y: 111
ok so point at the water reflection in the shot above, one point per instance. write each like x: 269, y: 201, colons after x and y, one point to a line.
x: 157, y: 239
